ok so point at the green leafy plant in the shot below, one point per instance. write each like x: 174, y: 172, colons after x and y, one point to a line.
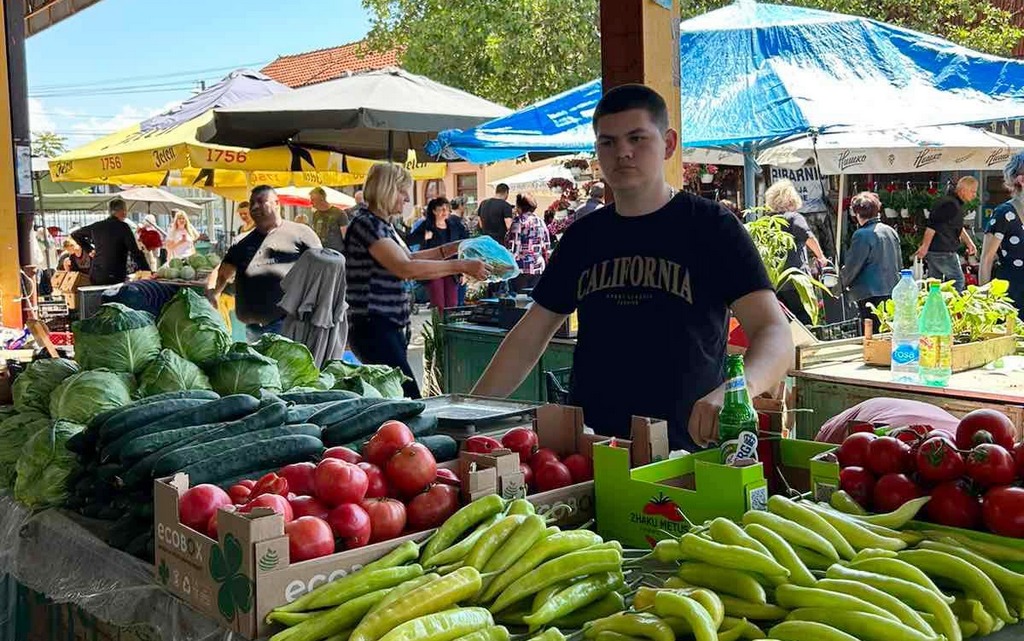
x: 774, y: 243
x: 977, y: 312
x: 236, y: 590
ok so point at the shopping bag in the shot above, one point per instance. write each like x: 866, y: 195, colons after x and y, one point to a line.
x: 917, y: 268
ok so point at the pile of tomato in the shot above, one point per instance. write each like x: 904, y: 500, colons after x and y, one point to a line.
x: 345, y: 501
x: 973, y: 476
x: 542, y: 468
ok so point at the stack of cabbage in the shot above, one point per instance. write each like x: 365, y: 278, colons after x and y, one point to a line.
x: 188, y: 268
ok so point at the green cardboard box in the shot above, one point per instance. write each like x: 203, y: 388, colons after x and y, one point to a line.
x: 641, y: 506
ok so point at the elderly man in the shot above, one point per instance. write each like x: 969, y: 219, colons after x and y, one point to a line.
x: 596, y: 201
x: 110, y: 242
x: 329, y: 222
x: 260, y: 261
x: 940, y: 248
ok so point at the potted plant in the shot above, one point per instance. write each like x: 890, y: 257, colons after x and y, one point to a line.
x: 707, y: 175
x: 576, y: 166
x: 888, y: 198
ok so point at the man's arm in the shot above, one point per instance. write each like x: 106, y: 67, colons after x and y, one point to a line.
x: 926, y: 242
x: 765, y: 363
x: 989, y: 247
x: 219, y: 279
x: 965, y: 237
x: 519, y: 352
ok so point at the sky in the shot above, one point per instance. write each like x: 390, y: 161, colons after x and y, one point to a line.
x: 122, y: 61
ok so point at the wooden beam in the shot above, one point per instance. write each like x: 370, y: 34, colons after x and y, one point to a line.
x: 640, y: 44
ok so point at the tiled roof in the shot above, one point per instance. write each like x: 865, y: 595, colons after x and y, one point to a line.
x: 309, y: 68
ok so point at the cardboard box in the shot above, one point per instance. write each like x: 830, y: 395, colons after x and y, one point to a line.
x: 67, y: 283
x: 494, y: 473
x: 641, y: 506
x: 251, y: 557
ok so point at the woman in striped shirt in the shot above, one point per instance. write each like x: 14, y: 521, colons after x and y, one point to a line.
x: 377, y: 263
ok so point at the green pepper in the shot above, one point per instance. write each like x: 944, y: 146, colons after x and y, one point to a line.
x: 726, y: 532
x: 856, y: 533
x: 899, y: 517
x: 907, y: 615
x: 608, y: 635
x: 667, y: 551
x: 866, y: 627
x: 350, y: 586
x: 740, y: 609
x: 804, y: 630
x: 341, y: 618
x: 1006, y: 580
x: 542, y: 596
x: 521, y: 507
x: 492, y: 633
x: 517, y: 544
x: 846, y: 504
x: 729, y: 556
x: 442, y: 626
x: 800, y: 514
x: 404, y: 553
x: 400, y: 591
x: 608, y: 605
x: 963, y: 574
x: 460, y: 522
x: 793, y: 532
x: 341, y: 636
x: 632, y: 624
x: 288, y: 619
x: 899, y: 569
x: 972, y: 610
x: 549, y: 548
x: 723, y: 580
x: 812, y: 560
x: 459, y: 551
x: 574, y: 597
x: 736, y: 629
x: 489, y: 543
x: 993, y: 551
x: 783, y: 553
x: 438, y: 595
x: 551, y: 634
x: 574, y: 564
x: 672, y: 604
x: 794, y: 597
x: 875, y: 553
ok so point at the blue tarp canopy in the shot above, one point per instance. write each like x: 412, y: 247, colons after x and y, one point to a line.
x: 756, y: 74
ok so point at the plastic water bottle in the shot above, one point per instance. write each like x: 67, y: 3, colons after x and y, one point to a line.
x: 936, y: 329
x: 905, y: 343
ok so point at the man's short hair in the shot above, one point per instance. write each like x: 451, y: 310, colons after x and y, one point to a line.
x: 597, y: 191
x: 116, y: 205
x: 318, y: 191
x: 243, y: 205
x: 866, y: 205
x: 967, y: 181
x: 502, y: 188
x: 633, y: 96
x: 258, y: 194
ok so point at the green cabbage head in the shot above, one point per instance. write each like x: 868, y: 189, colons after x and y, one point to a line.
x: 85, y: 394
x: 243, y: 370
x: 14, y: 433
x: 33, y: 387
x: 117, y: 338
x: 171, y: 373
x: 44, y: 466
x: 191, y: 327
x: 295, y: 363
x: 368, y: 380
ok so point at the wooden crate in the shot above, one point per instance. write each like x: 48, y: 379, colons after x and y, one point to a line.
x: 878, y: 351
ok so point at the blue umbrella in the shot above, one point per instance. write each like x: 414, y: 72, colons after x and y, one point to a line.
x: 755, y: 74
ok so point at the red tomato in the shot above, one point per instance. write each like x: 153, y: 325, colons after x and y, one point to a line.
x: 198, y: 504
x: 952, y: 504
x: 308, y: 538
x: 411, y: 469
x: 938, y: 460
x: 527, y: 474
x: 391, y: 437
x: 249, y: 483
x: 858, y: 483
x: 377, y: 484
x: 1002, y: 509
x: 522, y: 441
x: 239, y: 493
x: 892, y: 491
x: 1018, y: 457
x: 551, y: 475
x: 544, y: 455
x: 481, y: 445
x: 855, y: 427
x: 449, y: 475
x: 343, y: 453
x: 888, y: 455
x: 339, y: 482
x: 270, y: 484
x: 990, y: 465
x: 351, y: 524
x: 854, y: 450
x: 907, y: 435
x: 996, y: 427
x: 275, y: 502
x: 387, y: 518
x: 580, y: 468
x: 432, y: 508
x: 299, y: 476
x: 308, y: 506
x: 924, y: 431
x: 211, y: 525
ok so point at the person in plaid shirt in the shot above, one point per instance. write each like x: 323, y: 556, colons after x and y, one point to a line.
x: 529, y: 242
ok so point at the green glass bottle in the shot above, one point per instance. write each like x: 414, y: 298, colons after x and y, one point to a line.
x: 737, y: 420
x: 936, y: 335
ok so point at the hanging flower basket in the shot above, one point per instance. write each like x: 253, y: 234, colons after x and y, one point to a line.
x: 904, y: 213
x: 891, y: 213
x: 707, y: 179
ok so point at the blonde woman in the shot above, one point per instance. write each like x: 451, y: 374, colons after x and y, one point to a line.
x: 784, y: 201
x: 181, y: 237
x: 377, y: 264
x: 73, y: 259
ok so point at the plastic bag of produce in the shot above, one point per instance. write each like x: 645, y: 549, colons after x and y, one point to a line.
x: 117, y: 338
x: 193, y: 328
x: 499, y: 259
x: 85, y: 394
x: 44, y: 466
x: 367, y: 380
x: 171, y: 373
x: 295, y: 363
x: 14, y: 433
x: 243, y: 370
x: 33, y: 387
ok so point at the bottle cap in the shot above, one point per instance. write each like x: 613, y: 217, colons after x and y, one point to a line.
x: 906, y: 272
x: 934, y: 287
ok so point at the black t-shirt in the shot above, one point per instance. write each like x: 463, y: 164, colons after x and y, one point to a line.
x: 800, y: 231
x: 652, y: 293
x: 493, y: 213
x: 261, y: 262
x: 947, y: 219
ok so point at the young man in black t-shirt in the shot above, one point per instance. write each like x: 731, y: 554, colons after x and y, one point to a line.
x: 653, y: 277
x: 496, y: 214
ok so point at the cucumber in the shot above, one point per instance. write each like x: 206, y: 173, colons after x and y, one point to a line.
x: 264, y: 453
x: 143, y: 446
x: 125, y: 413
x: 421, y: 425
x: 302, y: 413
x: 254, y: 475
x: 364, y: 423
x: 138, y: 416
x: 268, y: 416
x: 341, y: 410
x: 228, y: 408
x: 76, y: 444
x: 443, y: 447
x: 315, y: 398
x: 224, y: 448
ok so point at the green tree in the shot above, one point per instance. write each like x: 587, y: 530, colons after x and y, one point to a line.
x: 47, y: 144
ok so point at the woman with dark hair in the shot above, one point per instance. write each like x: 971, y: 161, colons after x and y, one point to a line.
x: 529, y: 242
x: 440, y: 228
